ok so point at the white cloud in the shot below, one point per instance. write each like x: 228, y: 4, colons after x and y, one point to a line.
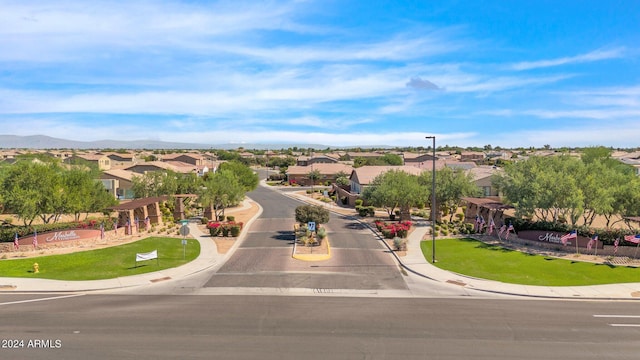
x: 588, y: 57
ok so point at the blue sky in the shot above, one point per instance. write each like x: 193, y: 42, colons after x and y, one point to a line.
x: 339, y: 73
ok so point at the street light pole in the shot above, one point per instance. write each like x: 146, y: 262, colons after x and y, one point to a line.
x: 433, y: 202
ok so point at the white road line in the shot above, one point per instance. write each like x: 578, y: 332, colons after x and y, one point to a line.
x: 618, y: 316
x: 40, y: 299
x: 625, y: 325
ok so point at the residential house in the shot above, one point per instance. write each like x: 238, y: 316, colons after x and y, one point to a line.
x: 189, y: 158
x: 415, y: 158
x: 482, y: 177
x: 328, y: 173
x: 118, y: 182
x: 352, y: 155
x: 177, y: 166
x: 122, y: 160
x: 315, y: 159
x: 363, y: 176
x: 472, y: 156
x: 102, y: 161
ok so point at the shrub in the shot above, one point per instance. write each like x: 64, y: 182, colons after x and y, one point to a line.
x: 399, y: 243
x: 235, y: 230
x: 225, y: 231
x: 315, y: 213
x: 214, y: 228
x: 391, y: 230
x: 309, y: 191
x: 359, y: 202
x: 371, y: 211
x: 322, y: 233
x: 231, y: 218
x: 204, y: 220
x: 362, y: 210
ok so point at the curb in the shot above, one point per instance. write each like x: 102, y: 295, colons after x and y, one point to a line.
x: 312, y: 257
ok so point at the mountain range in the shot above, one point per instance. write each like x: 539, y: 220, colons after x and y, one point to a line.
x: 48, y: 142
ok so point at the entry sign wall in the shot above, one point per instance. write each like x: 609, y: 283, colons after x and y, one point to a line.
x: 311, y: 225
x: 184, y: 230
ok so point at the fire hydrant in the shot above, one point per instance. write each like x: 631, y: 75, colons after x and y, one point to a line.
x: 36, y: 268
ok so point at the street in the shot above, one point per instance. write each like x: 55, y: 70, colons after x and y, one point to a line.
x: 320, y: 327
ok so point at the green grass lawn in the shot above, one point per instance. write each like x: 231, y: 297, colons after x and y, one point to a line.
x: 476, y: 259
x: 105, y: 263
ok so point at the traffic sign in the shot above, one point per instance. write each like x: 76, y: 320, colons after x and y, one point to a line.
x: 311, y: 225
x: 184, y: 230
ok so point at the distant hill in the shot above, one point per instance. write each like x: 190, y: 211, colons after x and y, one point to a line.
x: 48, y: 142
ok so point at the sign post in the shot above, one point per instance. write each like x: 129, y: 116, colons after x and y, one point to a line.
x: 184, y: 231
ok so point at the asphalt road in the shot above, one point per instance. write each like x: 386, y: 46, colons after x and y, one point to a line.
x: 320, y: 327
x: 359, y: 260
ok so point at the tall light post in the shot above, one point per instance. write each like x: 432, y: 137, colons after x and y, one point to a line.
x: 433, y: 201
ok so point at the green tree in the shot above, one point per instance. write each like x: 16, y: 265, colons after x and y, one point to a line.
x: 35, y: 189
x: 155, y: 183
x: 314, y: 176
x: 392, y: 159
x: 342, y: 178
x: 395, y: 189
x: 221, y: 190
x: 359, y: 162
x: 545, y: 188
x: 79, y: 187
x: 342, y: 181
x: 451, y: 186
x: 315, y: 213
x: 247, y: 177
x: 595, y: 154
x: 31, y: 190
x: 188, y: 183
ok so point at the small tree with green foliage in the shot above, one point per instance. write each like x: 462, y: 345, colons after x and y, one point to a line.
x: 315, y: 213
x: 395, y: 189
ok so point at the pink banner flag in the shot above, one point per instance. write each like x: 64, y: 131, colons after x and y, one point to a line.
x: 16, y: 244
x: 35, y: 239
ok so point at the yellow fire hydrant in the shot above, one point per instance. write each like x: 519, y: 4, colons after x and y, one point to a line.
x: 36, y: 268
